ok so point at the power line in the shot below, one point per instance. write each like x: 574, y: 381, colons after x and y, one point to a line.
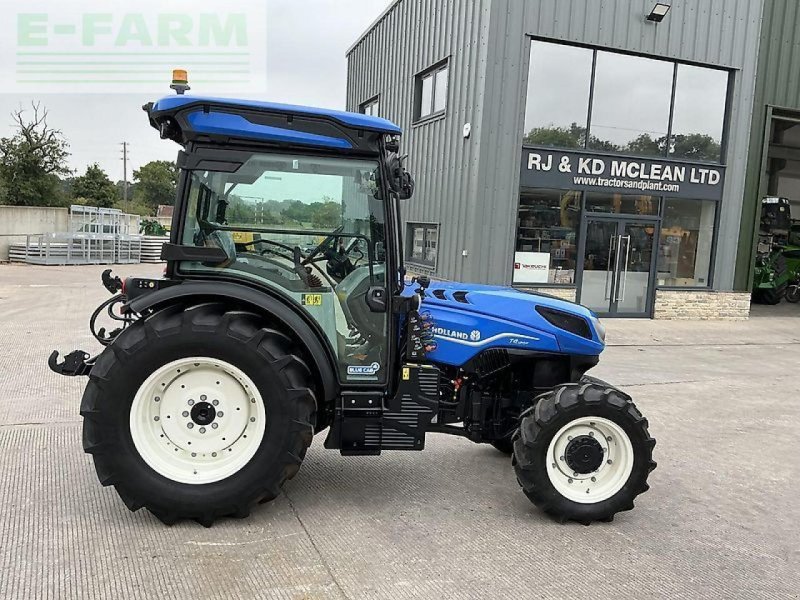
x: 125, y: 173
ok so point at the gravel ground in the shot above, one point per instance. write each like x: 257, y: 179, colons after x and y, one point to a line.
x: 721, y: 519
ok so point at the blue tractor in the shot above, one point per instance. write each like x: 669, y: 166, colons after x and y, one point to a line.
x: 285, y: 310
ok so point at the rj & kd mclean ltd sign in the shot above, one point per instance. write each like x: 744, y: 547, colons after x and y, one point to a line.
x: 545, y: 168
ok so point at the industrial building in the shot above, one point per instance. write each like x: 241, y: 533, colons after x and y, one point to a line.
x: 611, y: 152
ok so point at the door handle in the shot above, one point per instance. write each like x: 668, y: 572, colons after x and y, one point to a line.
x: 609, y: 280
x: 621, y: 288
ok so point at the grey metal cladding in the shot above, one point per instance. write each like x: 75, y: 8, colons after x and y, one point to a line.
x: 471, y: 185
x: 410, y: 37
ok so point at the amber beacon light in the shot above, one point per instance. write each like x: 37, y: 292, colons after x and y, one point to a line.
x: 180, y: 81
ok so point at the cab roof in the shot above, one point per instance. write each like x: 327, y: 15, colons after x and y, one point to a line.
x: 190, y: 118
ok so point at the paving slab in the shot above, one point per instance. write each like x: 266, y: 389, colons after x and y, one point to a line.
x: 721, y: 520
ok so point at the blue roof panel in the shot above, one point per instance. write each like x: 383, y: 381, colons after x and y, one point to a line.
x: 356, y: 120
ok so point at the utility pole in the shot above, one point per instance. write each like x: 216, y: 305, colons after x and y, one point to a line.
x: 125, y: 174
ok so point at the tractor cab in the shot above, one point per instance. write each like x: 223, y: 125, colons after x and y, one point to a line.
x: 298, y: 202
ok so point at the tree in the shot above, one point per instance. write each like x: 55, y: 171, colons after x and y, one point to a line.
x: 326, y: 215
x: 695, y: 146
x: 644, y: 145
x: 561, y: 137
x: 573, y: 136
x: 31, y: 161
x: 95, y: 187
x: 156, y: 183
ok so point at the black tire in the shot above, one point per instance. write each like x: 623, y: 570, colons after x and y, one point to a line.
x: 793, y: 294
x: 773, y: 296
x: 505, y: 445
x: 240, y: 338
x: 552, y: 411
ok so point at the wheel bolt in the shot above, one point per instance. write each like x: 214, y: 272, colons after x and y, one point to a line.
x: 594, y: 479
x: 591, y: 433
x: 214, y: 454
x: 215, y: 402
x: 569, y: 438
x: 155, y: 418
x: 220, y: 414
x: 194, y: 454
x: 157, y: 398
x: 561, y: 458
x: 191, y: 401
x: 190, y: 425
x: 252, y: 419
x: 609, y: 461
x: 214, y: 425
x: 185, y: 413
x: 202, y: 430
x: 203, y: 398
x: 569, y: 480
x: 609, y: 438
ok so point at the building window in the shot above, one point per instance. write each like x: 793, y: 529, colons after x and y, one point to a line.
x: 700, y: 96
x: 371, y: 107
x: 630, y: 204
x: 555, y: 115
x: 547, y: 237
x: 422, y: 242
x: 431, y: 91
x: 630, y: 110
x: 613, y: 102
x: 687, y: 237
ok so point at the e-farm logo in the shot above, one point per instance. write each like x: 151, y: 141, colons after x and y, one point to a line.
x: 115, y: 47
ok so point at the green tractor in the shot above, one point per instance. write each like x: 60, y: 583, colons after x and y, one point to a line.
x: 777, y: 253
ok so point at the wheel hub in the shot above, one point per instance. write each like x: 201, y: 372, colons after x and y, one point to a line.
x: 584, y: 454
x: 203, y: 413
x: 197, y: 420
x: 589, y: 459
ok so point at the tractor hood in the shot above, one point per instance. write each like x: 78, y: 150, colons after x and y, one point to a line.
x: 498, y: 316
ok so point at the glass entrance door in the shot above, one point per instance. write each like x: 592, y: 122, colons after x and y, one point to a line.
x: 618, y: 263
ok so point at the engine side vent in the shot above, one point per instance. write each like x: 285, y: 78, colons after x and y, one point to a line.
x: 439, y: 294
x: 461, y: 297
x: 489, y: 362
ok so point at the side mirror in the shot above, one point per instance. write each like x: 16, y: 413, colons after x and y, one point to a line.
x: 400, y: 180
x: 406, y: 186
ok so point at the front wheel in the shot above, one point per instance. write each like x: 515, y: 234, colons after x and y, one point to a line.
x: 793, y: 294
x: 583, y: 452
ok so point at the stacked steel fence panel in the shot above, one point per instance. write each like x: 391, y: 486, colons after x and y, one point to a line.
x: 97, y: 236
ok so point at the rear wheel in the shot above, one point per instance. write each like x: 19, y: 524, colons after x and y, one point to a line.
x: 198, y: 413
x: 774, y: 295
x: 583, y: 452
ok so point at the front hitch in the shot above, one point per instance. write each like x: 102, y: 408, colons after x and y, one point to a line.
x: 75, y: 364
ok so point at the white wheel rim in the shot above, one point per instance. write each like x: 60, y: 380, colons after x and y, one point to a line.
x: 184, y: 440
x: 612, y: 473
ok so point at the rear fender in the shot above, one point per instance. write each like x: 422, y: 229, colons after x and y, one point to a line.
x: 304, y: 329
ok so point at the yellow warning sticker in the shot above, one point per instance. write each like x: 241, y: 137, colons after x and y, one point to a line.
x: 406, y: 373
x: 312, y: 299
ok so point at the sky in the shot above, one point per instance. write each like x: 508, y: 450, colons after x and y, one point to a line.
x: 305, y: 64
